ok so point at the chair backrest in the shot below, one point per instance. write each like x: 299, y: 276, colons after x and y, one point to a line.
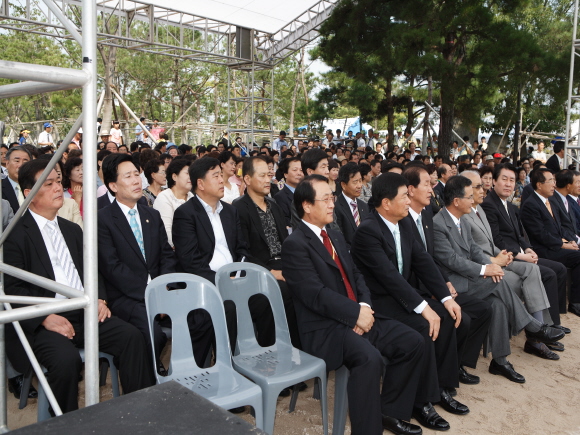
x: 177, y: 304
x: 240, y: 289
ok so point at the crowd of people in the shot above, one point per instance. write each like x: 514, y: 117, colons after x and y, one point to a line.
x: 382, y: 256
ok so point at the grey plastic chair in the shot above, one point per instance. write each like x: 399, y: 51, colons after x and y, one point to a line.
x: 280, y: 365
x: 220, y: 383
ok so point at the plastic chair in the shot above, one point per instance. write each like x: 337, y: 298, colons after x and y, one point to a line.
x: 280, y: 365
x: 220, y: 383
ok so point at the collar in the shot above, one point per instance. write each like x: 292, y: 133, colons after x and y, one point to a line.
x: 414, y: 214
x: 208, y: 208
x: 575, y: 198
x: 12, y: 182
x: 41, y: 221
x: 348, y: 200
x: 315, y: 229
x: 290, y: 188
x: 111, y: 197
x: 562, y: 197
x: 392, y: 227
x: 541, y: 197
x: 126, y: 209
x: 455, y: 220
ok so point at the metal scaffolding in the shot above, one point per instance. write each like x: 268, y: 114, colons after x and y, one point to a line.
x: 47, y: 78
x: 569, y: 148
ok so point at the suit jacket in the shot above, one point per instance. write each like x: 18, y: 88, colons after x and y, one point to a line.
x: 575, y: 209
x: 553, y: 164
x: 439, y: 189
x: 507, y: 231
x: 323, y: 309
x: 121, y: 263
x: 253, y: 232
x: 274, y: 189
x: 374, y: 252
x: 344, y: 218
x: 103, y: 201
x: 284, y: 200
x: 567, y: 216
x: 481, y: 232
x: 457, y: 253
x: 194, y: 238
x: 545, y: 232
x: 9, y: 194
x: 528, y: 190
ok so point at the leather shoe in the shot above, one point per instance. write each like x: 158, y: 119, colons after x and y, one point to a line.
x: 546, y: 334
x: 428, y: 417
x: 467, y: 378
x: 562, y: 328
x: 506, y: 370
x: 400, y: 427
x: 574, y: 308
x: 15, y: 387
x: 451, y: 405
x: 542, y: 351
x: 557, y: 346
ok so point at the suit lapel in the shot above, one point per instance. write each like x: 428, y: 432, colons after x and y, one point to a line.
x: 229, y: 227
x: 145, y: 229
x: 347, y: 211
x: 342, y: 254
x: 427, y: 219
x: 501, y: 208
x: 454, y: 231
x: 123, y: 225
x: 253, y: 211
x: 35, y: 235
x: 318, y: 245
x: 203, y: 218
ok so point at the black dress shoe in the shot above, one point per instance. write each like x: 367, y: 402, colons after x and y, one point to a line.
x: 238, y: 410
x: 161, y: 369
x: 542, y: 351
x: 562, y: 328
x: 574, y: 308
x: 506, y: 370
x: 546, y: 334
x: 285, y: 392
x: 466, y: 378
x: 302, y: 386
x: 557, y: 346
x: 400, y: 427
x: 428, y: 417
x: 15, y: 387
x: 452, y: 392
x: 451, y: 405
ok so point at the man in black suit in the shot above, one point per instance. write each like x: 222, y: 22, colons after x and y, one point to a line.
x: 207, y: 235
x: 556, y: 162
x: 567, y: 182
x: 508, y: 233
x: 11, y: 191
x: 264, y: 229
x: 386, y: 252
x: 336, y: 322
x: 543, y: 220
x: 292, y: 170
x: 350, y: 211
x: 476, y: 313
x: 51, y: 247
x: 443, y: 174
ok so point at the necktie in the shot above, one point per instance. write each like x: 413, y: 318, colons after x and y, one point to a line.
x: 397, y: 236
x: 506, y: 207
x: 458, y: 224
x: 63, y: 256
x: 549, y: 208
x: 578, y: 200
x: 355, y: 215
x: 478, y: 215
x: 19, y: 195
x: 421, y: 231
x: 136, y: 230
x: 332, y: 252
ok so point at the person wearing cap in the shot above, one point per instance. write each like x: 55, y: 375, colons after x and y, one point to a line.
x: 45, y: 138
x: 105, y: 136
x: 78, y: 139
x: 489, y: 161
x: 117, y: 133
x: 23, y: 136
x: 280, y: 141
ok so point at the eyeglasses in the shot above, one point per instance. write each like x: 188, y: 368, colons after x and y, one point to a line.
x: 552, y: 181
x: 470, y: 197
x: 479, y: 186
x: 330, y: 200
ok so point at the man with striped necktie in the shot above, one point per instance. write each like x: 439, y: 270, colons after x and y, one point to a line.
x: 350, y: 211
x: 52, y: 247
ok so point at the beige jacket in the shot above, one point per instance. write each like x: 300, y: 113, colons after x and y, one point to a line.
x: 70, y: 211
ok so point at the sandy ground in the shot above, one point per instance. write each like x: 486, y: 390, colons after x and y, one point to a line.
x: 549, y: 401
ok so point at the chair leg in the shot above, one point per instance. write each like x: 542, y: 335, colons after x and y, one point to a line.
x: 26, y: 383
x: 257, y: 407
x: 294, y: 398
x: 269, y: 401
x: 104, y: 368
x: 43, y: 405
x: 316, y: 389
x: 340, y: 401
x: 324, y: 401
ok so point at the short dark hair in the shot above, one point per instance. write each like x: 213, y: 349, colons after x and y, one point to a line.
x: 248, y: 165
x: 152, y: 167
x: 305, y: 192
x: 111, y: 168
x: 564, y: 177
x: 346, y: 172
x: 312, y: 158
x: 558, y: 146
x: 537, y: 176
x: 28, y: 172
x: 412, y: 174
x: 387, y: 165
x: 225, y: 156
x: 175, y: 167
x: 68, y: 168
x: 199, y: 168
x: 285, y: 165
x: 386, y: 186
x: 455, y: 188
x: 364, y: 169
x: 508, y: 166
x: 441, y: 170
x: 485, y: 170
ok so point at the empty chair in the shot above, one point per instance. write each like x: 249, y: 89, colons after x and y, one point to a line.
x: 220, y: 383
x: 275, y: 367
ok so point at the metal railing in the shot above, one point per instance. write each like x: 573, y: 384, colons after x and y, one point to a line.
x: 54, y: 78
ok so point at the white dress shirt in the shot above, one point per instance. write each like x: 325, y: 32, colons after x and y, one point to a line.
x: 458, y: 222
x: 45, y: 137
x: 125, y: 211
x: 221, y: 253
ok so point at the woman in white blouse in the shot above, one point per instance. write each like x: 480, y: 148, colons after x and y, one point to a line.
x: 228, y: 164
x: 179, y: 191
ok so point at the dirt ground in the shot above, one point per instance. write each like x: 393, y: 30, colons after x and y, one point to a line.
x: 547, y: 403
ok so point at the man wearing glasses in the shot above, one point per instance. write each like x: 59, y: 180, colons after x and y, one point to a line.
x: 472, y: 272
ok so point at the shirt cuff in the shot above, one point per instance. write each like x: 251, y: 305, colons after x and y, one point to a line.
x: 445, y: 299
x: 364, y: 304
x: 482, y: 270
x: 419, y: 309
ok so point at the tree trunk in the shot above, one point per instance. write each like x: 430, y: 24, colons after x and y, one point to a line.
x: 410, y: 107
x: 518, y: 125
x: 390, y: 114
x: 448, y: 95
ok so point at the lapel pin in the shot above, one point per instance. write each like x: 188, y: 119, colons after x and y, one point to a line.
x: 147, y: 220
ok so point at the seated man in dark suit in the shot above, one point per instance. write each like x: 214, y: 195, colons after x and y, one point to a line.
x: 443, y: 174
x: 336, y: 321
x: 107, y: 199
x: 51, y: 247
x: 350, y: 211
x: 574, y: 200
x: 543, y: 220
x: 292, y: 170
x: 386, y: 252
x: 207, y: 235
x: 475, y: 313
x: 568, y: 182
x: 508, y: 233
x: 11, y: 191
x: 556, y: 161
